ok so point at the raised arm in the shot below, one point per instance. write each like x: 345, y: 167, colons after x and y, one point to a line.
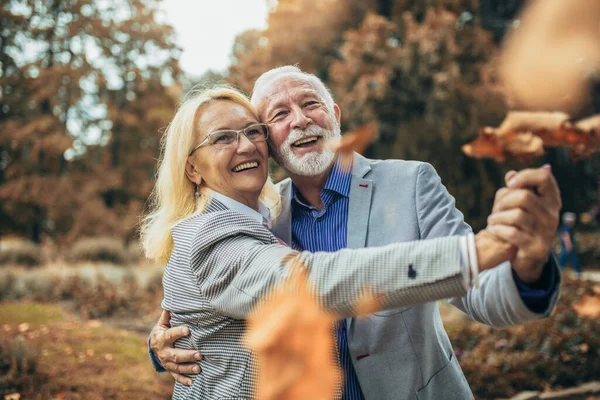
x: 237, y: 270
x: 498, y: 301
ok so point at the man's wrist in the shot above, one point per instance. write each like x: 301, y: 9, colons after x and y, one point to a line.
x: 532, y: 275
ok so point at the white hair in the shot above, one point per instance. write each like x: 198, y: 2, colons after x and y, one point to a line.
x: 275, y: 75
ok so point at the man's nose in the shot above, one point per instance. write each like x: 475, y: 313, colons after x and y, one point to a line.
x: 299, y: 119
x: 244, y: 144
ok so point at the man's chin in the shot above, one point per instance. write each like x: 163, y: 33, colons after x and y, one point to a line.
x: 308, y: 165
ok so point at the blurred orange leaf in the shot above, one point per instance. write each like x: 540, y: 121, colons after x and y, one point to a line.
x: 589, y: 306
x: 523, y: 135
x: 293, y: 339
x: 354, y: 141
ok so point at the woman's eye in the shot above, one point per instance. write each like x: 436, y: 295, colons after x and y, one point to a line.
x: 253, y: 132
x: 223, y: 139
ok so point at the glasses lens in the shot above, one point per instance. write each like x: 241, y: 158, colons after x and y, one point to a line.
x: 223, y: 138
x: 257, y: 132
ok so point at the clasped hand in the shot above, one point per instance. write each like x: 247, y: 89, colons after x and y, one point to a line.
x: 523, y: 223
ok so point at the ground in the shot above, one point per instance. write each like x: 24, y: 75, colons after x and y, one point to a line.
x: 82, y: 360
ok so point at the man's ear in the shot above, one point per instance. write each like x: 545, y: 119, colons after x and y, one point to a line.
x: 337, y: 112
x: 192, y: 173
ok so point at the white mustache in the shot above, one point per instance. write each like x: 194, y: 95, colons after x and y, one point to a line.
x: 298, y: 134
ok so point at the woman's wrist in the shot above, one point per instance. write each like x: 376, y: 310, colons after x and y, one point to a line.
x: 492, y: 251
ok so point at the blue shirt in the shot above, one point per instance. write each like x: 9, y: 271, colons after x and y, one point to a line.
x: 326, y: 230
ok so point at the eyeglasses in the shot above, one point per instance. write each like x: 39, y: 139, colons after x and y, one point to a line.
x: 229, y: 138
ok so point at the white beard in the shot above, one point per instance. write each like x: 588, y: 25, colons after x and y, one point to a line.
x: 313, y: 163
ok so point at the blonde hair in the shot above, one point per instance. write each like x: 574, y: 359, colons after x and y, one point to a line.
x: 172, y: 199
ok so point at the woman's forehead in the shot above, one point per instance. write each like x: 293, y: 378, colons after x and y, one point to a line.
x: 224, y: 114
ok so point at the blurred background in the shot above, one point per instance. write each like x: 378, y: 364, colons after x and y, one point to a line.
x: 86, y: 89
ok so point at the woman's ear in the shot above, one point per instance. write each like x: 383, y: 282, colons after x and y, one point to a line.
x: 192, y: 173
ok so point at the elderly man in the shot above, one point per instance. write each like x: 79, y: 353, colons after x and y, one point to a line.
x: 402, y: 353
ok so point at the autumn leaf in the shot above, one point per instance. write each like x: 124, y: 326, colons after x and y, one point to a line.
x: 523, y: 136
x: 354, y: 141
x: 486, y: 145
x: 293, y: 339
x: 558, y: 74
x: 588, y: 307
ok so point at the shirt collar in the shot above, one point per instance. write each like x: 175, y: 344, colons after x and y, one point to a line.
x: 338, y: 181
x: 339, y: 178
x: 262, y: 216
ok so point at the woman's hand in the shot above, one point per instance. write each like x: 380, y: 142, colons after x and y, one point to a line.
x: 492, y: 251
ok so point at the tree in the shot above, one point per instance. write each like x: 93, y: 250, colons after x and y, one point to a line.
x: 85, y: 89
x: 425, y: 71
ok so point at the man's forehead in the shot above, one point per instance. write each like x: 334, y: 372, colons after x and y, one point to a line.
x: 287, y: 87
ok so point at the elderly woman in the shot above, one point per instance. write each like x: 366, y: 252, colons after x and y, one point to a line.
x: 211, y: 208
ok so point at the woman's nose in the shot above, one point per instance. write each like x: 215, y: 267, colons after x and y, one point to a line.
x: 244, y: 144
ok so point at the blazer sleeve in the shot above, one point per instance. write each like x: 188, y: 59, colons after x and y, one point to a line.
x: 497, y: 301
x: 238, y: 269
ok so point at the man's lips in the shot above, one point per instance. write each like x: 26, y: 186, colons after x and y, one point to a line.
x: 305, y: 142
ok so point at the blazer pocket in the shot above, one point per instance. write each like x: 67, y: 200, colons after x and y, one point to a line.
x: 391, y: 312
x: 448, y: 383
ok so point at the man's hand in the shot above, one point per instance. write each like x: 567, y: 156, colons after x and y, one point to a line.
x: 525, y: 214
x: 177, y: 362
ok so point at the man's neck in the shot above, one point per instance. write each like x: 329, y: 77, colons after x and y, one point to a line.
x: 310, y: 187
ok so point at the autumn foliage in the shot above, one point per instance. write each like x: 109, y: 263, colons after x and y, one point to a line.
x: 86, y: 86
x: 81, y: 115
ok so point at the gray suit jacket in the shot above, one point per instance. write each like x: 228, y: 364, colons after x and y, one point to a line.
x: 405, y: 353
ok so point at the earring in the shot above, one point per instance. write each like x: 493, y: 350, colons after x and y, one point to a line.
x: 196, y: 192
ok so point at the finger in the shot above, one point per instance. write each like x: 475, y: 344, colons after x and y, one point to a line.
x: 173, y: 334
x: 180, y: 356
x: 181, y: 379
x: 500, y: 194
x: 165, y: 319
x: 510, y: 234
x: 540, y: 179
x: 516, y: 217
x: 509, y: 175
x: 186, y: 369
x: 517, y: 198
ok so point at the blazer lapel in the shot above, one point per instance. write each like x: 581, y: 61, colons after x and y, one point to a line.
x: 282, y: 225
x: 359, y: 207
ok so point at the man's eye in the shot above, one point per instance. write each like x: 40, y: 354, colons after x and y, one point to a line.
x: 312, y: 104
x: 279, y: 115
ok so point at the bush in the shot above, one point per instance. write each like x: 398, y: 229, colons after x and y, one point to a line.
x: 92, y: 291
x: 560, y: 351
x: 588, y: 247
x: 18, y: 367
x: 23, y: 253
x: 101, y: 249
x: 135, y: 253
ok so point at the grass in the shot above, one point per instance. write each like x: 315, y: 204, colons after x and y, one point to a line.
x: 83, y: 360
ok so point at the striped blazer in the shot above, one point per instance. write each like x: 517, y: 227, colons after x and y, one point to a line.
x: 223, y: 261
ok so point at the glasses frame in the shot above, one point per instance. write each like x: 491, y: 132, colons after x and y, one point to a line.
x: 237, y: 136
